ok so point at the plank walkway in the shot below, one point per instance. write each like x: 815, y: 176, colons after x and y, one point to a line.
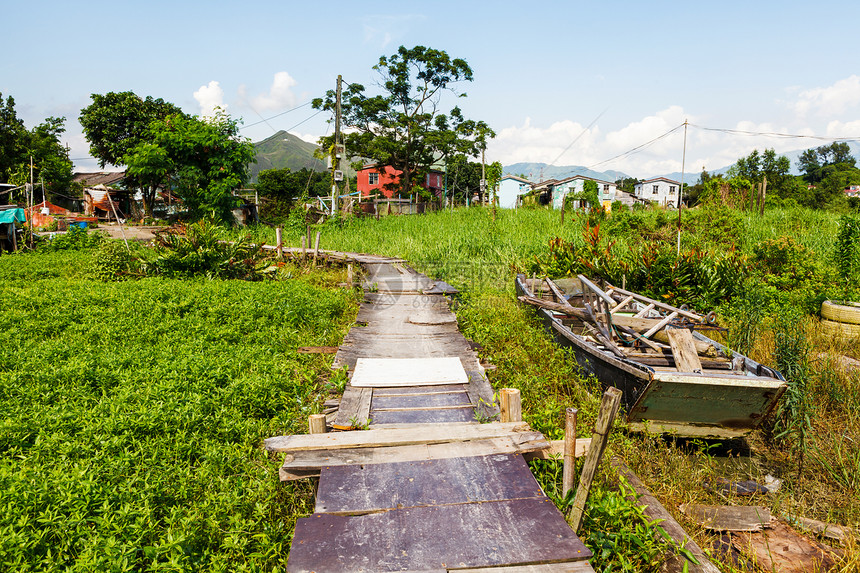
x: 427, y: 488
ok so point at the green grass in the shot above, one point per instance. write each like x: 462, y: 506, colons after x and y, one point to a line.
x: 133, y: 412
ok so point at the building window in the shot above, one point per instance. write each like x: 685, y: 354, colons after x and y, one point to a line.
x: 671, y: 189
x: 373, y: 178
x: 655, y: 189
x: 606, y: 188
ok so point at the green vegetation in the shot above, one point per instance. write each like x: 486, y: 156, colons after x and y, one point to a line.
x: 133, y: 412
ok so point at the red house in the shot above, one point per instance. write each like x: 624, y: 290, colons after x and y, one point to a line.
x: 373, y: 179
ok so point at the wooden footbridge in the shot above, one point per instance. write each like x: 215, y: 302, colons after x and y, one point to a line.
x: 419, y: 484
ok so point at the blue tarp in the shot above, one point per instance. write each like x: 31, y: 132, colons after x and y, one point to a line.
x: 12, y: 215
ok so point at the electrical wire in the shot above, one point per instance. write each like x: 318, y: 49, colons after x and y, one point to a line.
x: 773, y: 134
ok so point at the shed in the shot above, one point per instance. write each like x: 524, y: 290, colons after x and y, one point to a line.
x: 10, y: 215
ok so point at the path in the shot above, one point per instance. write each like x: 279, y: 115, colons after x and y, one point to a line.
x: 426, y: 488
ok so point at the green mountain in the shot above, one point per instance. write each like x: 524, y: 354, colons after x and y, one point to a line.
x: 285, y: 150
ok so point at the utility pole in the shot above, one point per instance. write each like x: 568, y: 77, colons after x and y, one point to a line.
x: 337, y: 174
x: 30, y: 202
x: 681, y: 190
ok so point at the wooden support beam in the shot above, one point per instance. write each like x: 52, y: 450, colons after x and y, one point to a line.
x: 660, y: 324
x: 605, y: 417
x: 621, y: 304
x: 569, y: 470
x: 317, y: 247
x: 555, y: 451
x: 644, y: 311
x: 279, y: 243
x: 511, y: 405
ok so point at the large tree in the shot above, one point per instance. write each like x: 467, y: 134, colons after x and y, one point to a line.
x: 205, y: 160
x: 12, y: 134
x: 117, y: 122
x: 405, y: 125
x: 830, y: 169
x: 51, y: 163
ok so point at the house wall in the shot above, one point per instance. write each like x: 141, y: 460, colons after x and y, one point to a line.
x: 387, y: 176
x: 605, y: 190
x: 666, y: 191
x: 509, y: 190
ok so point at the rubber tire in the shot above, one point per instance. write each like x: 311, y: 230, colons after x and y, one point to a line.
x: 844, y: 329
x: 847, y: 313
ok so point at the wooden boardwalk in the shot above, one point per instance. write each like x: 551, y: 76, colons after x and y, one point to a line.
x: 426, y: 487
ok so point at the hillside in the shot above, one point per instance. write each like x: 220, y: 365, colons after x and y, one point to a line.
x: 285, y: 150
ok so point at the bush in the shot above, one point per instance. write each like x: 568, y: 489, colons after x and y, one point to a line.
x: 76, y: 239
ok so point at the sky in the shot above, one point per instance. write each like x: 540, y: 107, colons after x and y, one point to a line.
x: 563, y: 83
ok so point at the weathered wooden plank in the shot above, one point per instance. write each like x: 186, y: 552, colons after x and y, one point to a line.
x: 389, y: 372
x: 654, y: 510
x: 684, y: 350
x: 317, y: 349
x: 556, y: 450
x: 419, y: 390
x: 783, y: 549
x: 574, y: 567
x: 427, y: 434
x: 420, y: 400
x: 420, y: 416
x: 375, y: 487
x: 315, y: 459
x: 728, y: 518
x: 428, y: 408
x: 517, y: 532
x: 353, y: 409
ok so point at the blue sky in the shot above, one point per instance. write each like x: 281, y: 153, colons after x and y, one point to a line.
x: 544, y: 71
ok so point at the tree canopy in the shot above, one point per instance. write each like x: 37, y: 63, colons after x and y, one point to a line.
x: 204, y: 159
x: 118, y: 122
x: 830, y: 169
x: 51, y: 162
x: 405, y: 126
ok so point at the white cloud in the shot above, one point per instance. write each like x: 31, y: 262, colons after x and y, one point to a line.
x: 280, y: 94
x: 829, y: 100
x: 209, y: 97
x: 310, y: 138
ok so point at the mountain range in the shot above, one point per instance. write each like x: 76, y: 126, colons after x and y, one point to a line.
x: 285, y: 150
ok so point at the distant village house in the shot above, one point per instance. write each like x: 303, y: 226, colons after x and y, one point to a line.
x: 659, y: 190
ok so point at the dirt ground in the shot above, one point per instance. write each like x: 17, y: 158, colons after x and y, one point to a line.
x: 137, y: 233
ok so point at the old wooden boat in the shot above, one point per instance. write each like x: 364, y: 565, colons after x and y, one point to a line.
x: 674, y: 379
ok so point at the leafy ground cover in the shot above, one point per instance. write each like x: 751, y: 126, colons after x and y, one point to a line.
x: 133, y: 412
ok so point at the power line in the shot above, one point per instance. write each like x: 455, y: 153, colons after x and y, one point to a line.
x: 266, y: 119
x: 774, y: 134
x: 639, y: 148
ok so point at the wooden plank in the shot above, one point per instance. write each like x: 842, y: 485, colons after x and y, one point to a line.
x: 353, y: 409
x: 388, y: 372
x: 644, y: 311
x: 427, y: 434
x: 315, y: 459
x: 666, y: 320
x: 419, y: 390
x: 574, y: 567
x: 621, y: 304
x: 517, y: 532
x: 420, y: 400
x: 376, y: 487
x: 654, y: 510
x: 783, y: 549
x: 428, y: 408
x: 728, y: 518
x: 683, y: 350
x: 317, y: 349
x: 421, y: 416
x: 556, y: 450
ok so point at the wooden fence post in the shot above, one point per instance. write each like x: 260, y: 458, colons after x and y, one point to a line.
x: 304, y: 248
x: 349, y: 278
x: 279, y: 244
x: 511, y: 405
x: 569, y: 451
x: 608, y: 409
x: 316, y: 424
x: 317, y: 247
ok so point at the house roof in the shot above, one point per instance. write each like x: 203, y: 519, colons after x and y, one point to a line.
x: 516, y: 178
x: 99, y: 178
x: 667, y: 180
x: 584, y: 178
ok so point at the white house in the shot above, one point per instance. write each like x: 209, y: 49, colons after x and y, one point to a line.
x: 510, y: 188
x: 605, y: 190
x: 659, y: 190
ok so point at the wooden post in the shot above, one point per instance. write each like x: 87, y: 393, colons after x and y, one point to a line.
x: 279, y: 243
x: 349, y: 278
x: 317, y: 247
x: 762, y: 197
x: 569, y: 451
x: 304, y: 248
x: 309, y: 237
x: 511, y: 405
x: 316, y: 423
x: 608, y: 409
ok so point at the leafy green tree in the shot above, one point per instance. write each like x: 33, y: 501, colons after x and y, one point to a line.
x: 12, y: 134
x: 627, y: 184
x: 51, y: 162
x: 404, y: 126
x: 117, y: 122
x: 830, y: 168
x: 205, y: 159
x: 757, y: 166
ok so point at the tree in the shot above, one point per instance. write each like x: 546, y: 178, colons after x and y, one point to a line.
x: 12, y: 133
x: 830, y: 169
x: 757, y: 166
x: 205, y: 159
x: 51, y: 162
x: 626, y: 184
x: 404, y: 126
x: 115, y: 123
